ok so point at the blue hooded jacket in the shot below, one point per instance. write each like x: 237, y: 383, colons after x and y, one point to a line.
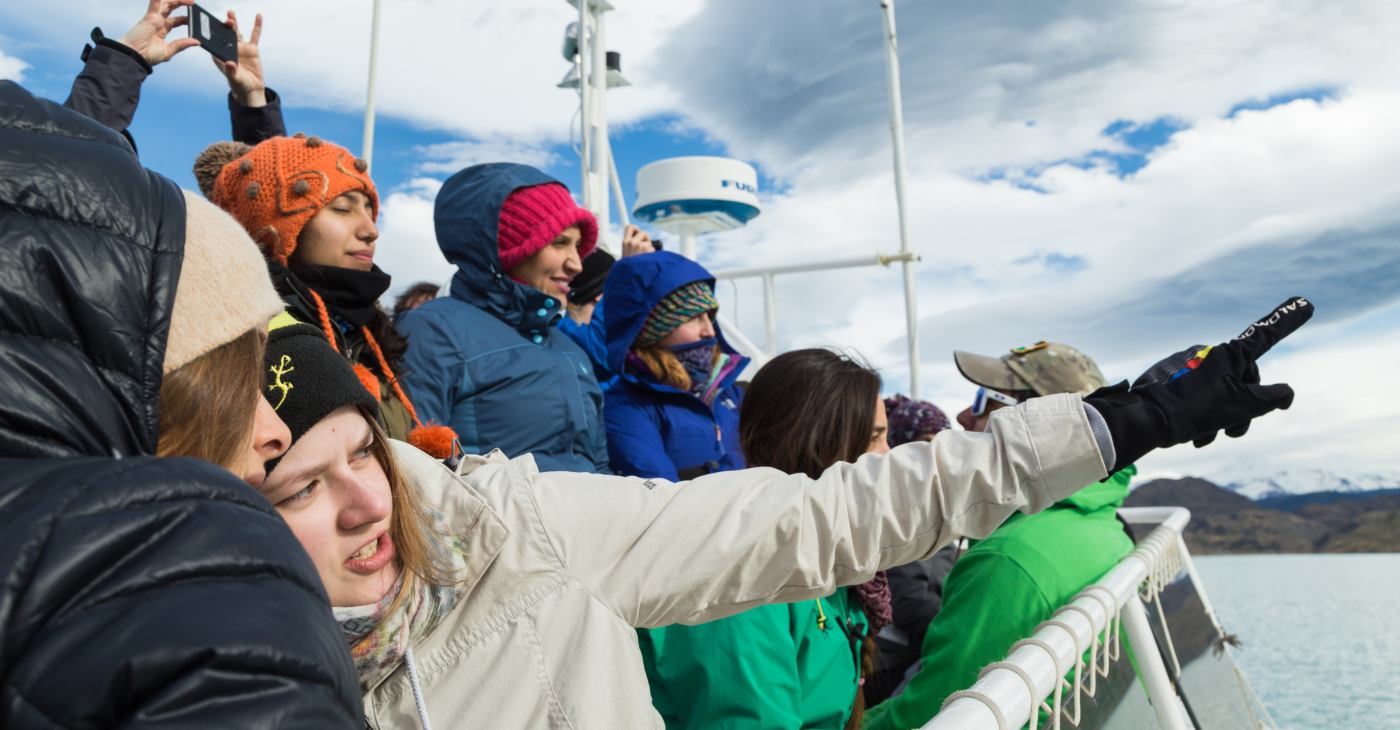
x: 593, y: 338
x: 655, y: 430
x: 487, y: 360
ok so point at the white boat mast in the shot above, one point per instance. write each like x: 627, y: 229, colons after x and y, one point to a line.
x: 594, y: 77
x: 911, y: 313
x: 367, y: 148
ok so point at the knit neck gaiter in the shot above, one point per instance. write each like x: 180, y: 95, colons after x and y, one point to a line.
x: 349, y: 294
x: 705, y: 370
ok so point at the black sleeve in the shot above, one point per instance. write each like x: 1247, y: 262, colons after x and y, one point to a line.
x: 916, y: 591
x: 939, y: 565
x: 913, y: 600
x: 158, y: 593
x: 109, y: 86
x: 252, y: 125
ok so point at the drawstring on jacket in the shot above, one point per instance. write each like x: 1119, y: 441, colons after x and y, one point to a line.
x: 433, y: 439
x: 417, y: 689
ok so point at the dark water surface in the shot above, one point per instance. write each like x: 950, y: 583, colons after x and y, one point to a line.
x: 1321, y: 634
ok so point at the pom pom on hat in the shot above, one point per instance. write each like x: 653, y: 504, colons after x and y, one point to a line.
x: 212, y: 160
x: 433, y: 439
x: 368, y: 380
x: 532, y: 217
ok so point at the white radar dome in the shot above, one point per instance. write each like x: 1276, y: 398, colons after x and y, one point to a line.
x: 689, y: 195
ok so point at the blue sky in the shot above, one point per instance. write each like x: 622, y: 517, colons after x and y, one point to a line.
x: 1121, y: 176
x: 171, y: 129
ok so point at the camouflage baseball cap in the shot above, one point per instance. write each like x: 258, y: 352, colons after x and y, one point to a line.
x: 1045, y: 367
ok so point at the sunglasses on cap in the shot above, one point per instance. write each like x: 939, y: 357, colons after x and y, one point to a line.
x: 981, y: 403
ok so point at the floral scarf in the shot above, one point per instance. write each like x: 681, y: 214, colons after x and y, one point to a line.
x: 377, y: 642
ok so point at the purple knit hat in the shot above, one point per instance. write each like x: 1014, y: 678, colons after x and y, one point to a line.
x: 910, y: 419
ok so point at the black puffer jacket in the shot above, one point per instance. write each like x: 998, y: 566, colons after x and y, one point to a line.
x: 137, y: 591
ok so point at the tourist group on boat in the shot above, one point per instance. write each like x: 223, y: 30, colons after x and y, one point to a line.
x: 235, y: 491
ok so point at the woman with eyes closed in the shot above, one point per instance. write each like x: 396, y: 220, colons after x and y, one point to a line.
x: 311, y: 207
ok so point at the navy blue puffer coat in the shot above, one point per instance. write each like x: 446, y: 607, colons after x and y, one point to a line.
x: 487, y: 360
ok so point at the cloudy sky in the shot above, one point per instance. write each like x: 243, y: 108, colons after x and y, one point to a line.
x: 1129, y: 176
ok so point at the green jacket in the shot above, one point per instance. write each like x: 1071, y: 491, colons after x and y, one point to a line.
x: 772, y: 667
x: 1003, y: 587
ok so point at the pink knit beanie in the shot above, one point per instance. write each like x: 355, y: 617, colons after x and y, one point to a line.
x: 531, y: 218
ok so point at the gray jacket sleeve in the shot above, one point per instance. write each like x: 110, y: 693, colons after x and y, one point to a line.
x: 108, y: 88
x: 254, y: 124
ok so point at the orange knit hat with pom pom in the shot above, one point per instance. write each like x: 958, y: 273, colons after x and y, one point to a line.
x: 273, y: 189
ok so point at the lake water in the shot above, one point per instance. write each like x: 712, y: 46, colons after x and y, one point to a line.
x: 1321, y: 634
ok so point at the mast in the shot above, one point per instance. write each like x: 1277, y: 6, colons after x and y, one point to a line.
x: 911, y: 317
x: 367, y: 147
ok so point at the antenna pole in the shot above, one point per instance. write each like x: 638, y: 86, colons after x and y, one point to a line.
x: 598, y: 73
x: 585, y: 105
x: 897, y: 138
x: 367, y: 148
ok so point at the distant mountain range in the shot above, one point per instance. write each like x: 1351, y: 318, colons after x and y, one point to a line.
x: 1308, y: 481
x: 1224, y: 521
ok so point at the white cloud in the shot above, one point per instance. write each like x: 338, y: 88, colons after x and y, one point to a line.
x: 449, y: 157
x: 1307, y: 186
x: 407, y: 248
x: 484, y: 70
x: 11, y: 68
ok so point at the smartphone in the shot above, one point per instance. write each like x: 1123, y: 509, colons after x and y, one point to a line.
x: 216, y: 38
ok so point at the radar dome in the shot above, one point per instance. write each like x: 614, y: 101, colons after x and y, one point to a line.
x: 689, y: 195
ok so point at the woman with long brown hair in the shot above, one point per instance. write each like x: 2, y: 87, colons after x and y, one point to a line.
x: 794, y: 665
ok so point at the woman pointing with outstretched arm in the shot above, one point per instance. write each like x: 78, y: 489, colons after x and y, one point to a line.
x: 494, y: 594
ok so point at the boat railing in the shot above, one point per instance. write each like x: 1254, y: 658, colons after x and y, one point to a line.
x: 1009, y: 692
x: 770, y: 301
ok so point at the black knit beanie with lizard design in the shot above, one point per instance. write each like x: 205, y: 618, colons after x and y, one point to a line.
x: 305, y: 379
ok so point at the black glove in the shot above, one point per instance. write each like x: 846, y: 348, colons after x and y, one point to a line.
x: 1199, y: 391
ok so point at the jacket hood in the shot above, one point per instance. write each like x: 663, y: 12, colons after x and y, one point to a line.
x: 89, y: 262
x: 1108, y: 493
x: 466, y: 218
x: 635, y: 286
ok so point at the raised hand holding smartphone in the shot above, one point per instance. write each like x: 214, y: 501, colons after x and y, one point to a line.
x: 218, y: 39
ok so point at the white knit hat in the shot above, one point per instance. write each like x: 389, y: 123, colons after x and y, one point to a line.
x: 224, y: 289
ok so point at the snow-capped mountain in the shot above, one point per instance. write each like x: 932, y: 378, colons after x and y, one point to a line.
x: 1306, y: 481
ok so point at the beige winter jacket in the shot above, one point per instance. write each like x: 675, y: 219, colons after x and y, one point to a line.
x: 564, y: 566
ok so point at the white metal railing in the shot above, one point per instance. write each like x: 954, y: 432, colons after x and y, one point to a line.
x: 770, y: 304
x: 1002, y: 697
